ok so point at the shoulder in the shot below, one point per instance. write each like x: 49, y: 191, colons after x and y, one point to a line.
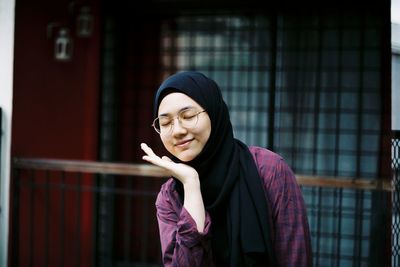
x: 263, y: 156
x: 271, y: 166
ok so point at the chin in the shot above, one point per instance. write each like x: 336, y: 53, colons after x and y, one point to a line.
x: 185, y: 157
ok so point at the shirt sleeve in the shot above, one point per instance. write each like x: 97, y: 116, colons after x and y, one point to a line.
x: 292, y: 243
x: 181, y: 243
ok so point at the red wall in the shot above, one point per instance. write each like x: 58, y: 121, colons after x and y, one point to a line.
x: 55, y: 105
x: 55, y: 115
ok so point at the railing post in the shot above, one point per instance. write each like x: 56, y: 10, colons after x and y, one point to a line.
x: 14, y: 246
x: 104, y: 214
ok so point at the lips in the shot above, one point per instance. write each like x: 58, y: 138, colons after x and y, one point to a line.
x: 183, y: 143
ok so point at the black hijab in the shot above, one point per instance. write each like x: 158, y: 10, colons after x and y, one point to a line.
x: 230, y: 184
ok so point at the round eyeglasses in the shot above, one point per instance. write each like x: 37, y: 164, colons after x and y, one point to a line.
x: 187, y: 118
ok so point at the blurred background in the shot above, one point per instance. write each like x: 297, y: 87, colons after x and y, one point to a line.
x: 317, y: 82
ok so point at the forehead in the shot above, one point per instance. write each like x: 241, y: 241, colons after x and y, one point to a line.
x: 174, y: 102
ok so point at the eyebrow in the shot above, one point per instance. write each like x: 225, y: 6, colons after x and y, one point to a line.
x: 182, y: 109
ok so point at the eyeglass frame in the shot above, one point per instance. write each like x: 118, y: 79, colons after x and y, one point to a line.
x: 179, y: 121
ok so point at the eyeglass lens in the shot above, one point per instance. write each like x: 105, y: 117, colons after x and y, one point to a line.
x: 187, y: 118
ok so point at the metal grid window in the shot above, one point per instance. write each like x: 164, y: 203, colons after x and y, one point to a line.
x: 396, y: 199
x: 235, y: 52
x: 396, y: 143
x: 327, y: 95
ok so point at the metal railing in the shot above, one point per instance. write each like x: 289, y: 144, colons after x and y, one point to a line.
x: 56, y: 220
x: 396, y: 199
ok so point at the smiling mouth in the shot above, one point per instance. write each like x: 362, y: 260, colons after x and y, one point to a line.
x: 184, y: 143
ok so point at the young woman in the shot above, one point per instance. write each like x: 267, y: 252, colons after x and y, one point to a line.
x: 226, y: 204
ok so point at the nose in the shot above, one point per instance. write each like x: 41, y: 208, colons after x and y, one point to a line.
x: 177, y: 128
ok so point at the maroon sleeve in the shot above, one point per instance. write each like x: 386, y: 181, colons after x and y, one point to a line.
x: 181, y: 243
x: 291, y: 233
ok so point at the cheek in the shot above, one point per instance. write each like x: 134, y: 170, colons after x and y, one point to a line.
x: 166, y: 143
x: 204, y: 136
x: 206, y: 132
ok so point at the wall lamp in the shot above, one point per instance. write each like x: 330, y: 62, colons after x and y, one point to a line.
x: 61, y: 34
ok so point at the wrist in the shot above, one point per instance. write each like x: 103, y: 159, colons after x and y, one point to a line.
x: 191, y: 183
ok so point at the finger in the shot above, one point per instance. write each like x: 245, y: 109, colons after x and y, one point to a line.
x: 158, y: 162
x: 151, y: 156
x: 151, y: 160
x: 166, y: 158
x: 147, y: 149
x: 154, y: 159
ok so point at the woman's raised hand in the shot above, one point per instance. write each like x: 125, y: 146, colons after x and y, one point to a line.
x: 183, y: 172
x: 193, y: 200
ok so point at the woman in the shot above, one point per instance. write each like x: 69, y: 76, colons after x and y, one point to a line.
x: 226, y: 204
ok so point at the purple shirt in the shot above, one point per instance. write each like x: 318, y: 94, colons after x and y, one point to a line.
x: 183, y: 245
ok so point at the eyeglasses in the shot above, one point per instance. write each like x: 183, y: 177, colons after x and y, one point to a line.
x: 187, y: 118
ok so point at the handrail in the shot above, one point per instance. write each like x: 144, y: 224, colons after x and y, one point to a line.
x: 346, y: 182
x: 90, y: 167
x: 154, y: 171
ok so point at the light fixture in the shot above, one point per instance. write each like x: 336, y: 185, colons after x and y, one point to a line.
x: 63, y: 45
x: 59, y: 32
x: 84, y: 22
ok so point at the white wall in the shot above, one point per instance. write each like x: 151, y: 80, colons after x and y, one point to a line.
x: 7, y: 15
x: 395, y: 11
x: 396, y: 76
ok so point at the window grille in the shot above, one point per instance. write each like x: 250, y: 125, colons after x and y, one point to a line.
x: 396, y: 199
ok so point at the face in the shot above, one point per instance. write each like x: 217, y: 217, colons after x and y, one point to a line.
x: 184, y: 143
